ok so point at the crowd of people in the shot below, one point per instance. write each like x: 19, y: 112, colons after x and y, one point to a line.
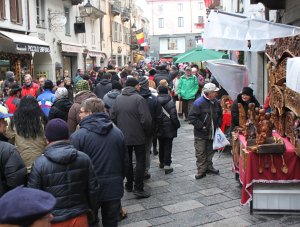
x: 79, y: 138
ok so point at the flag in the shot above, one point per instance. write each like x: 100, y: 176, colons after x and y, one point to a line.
x: 140, y: 36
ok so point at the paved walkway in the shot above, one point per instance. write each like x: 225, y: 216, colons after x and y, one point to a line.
x: 180, y: 200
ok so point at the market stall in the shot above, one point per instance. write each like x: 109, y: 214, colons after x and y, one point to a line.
x: 266, y: 146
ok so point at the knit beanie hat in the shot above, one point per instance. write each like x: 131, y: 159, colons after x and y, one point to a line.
x: 131, y: 82
x: 152, y: 72
x: 144, y: 82
x: 247, y: 91
x: 48, y: 85
x: 56, y: 129
x: 82, y: 85
x: 61, y: 92
x: 116, y: 85
x: 162, y: 89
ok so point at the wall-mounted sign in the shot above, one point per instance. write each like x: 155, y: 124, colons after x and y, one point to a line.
x: 32, y: 48
x: 58, y: 20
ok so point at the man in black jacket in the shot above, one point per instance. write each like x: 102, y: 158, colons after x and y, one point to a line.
x: 104, y: 143
x: 12, y: 168
x: 157, y: 118
x: 206, y: 116
x: 67, y: 174
x: 132, y: 115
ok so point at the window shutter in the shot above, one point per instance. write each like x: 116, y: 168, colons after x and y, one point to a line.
x: 20, y: 12
x: 2, y: 9
x: 13, y: 11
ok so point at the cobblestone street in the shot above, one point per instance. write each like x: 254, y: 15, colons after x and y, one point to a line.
x: 180, y: 200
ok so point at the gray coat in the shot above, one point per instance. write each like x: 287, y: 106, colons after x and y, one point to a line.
x: 132, y: 115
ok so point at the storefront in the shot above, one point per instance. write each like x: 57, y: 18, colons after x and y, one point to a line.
x: 70, y: 54
x: 17, y: 53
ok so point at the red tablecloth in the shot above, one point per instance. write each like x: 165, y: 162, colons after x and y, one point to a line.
x: 250, y: 174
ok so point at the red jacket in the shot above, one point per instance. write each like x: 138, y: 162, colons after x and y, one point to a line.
x: 12, y: 103
x: 31, y: 90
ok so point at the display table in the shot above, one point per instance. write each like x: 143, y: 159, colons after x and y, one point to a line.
x: 249, y: 164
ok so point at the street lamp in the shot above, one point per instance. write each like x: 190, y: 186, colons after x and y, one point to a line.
x: 85, y: 52
x: 88, y: 8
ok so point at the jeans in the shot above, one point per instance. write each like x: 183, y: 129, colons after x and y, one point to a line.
x: 140, y: 155
x: 148, y: 145
x: 204, y: 154
x: 165, y: 150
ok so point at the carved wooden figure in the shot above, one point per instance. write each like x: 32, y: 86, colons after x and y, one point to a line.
x: 242, y: 118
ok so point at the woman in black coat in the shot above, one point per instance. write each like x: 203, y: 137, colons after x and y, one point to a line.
x: 244, y: 98
x: 61, y: 105
x: 168, y: 130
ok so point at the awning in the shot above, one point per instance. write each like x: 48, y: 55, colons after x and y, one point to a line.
x: 99, y: 54
x: 229, y: 31
x: 230, y: 75
x: 26, y: 43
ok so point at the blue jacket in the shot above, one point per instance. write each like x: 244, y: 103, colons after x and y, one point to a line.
x: 45, y: 100
x: 201, y: 114
x: 104, y: 143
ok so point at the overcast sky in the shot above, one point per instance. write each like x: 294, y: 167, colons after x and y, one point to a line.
x: 143, y: 5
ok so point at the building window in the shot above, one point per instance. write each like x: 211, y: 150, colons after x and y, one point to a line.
x: 180, y: 6
x: 200, y: 20
x: 2, y: 9
x: 67, y: 25
x: 200, y: 5
x: 16, y: 15
x: 40, y: 12
x: 117, y: 32
x: 93, y: 32
x: 160, y: 22
x: 180, y: 22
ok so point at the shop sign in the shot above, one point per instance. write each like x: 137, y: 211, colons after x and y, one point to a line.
x: 71, y: 48
x: 32, y: 48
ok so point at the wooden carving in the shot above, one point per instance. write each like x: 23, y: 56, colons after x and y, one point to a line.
x: 290, y: 121
x: 242, y: 118
x: 280, y: 73
x: 272, y: 74
x: 292, y: 101
x: 277, y: 99
x: 251, y: 122
x: 278, y: 122
x: 297, y: 136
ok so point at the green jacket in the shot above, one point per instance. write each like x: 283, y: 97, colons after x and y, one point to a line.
x: 187, y: 87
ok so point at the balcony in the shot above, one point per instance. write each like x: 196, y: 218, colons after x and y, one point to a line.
x: 76, y: 2
x: 98, y: 10
x: 116, y: 8
x: 125, y: 15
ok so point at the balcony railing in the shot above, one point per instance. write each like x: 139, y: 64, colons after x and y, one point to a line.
x: 116, y: 8
x: 125, y: 15
x: 76, y: 2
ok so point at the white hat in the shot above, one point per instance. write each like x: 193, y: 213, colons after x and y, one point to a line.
x: 210, y: 87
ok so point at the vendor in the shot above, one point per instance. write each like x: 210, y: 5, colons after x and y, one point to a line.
x: 244, y: 98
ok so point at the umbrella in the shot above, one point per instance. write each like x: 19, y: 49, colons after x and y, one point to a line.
x: 199, y: 54
x: 180, y: 55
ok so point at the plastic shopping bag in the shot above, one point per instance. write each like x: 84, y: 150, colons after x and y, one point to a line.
x: 220, y: 140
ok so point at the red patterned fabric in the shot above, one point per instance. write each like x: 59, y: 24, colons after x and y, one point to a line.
x: 251, y: 174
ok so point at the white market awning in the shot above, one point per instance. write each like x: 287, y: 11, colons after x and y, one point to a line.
x: 230, y: 31
x: 230, y: 75
x: 26, y: 43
